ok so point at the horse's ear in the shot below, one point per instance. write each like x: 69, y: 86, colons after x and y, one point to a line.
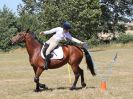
x: 28, y: 30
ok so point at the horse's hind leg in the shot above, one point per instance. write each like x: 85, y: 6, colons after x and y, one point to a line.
x: 82, y: 77
x: 77, y: 74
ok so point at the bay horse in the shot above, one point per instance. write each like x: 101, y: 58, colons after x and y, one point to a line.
x: 72, y: 55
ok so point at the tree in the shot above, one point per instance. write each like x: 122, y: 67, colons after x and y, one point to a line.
x: 82, y: 14
x: 114, y: 11
x: 7, y: 27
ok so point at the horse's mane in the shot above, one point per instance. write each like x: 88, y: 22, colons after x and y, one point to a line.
x: 34, y: 36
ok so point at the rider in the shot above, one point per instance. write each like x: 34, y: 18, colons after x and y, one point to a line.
x: 61, y: 33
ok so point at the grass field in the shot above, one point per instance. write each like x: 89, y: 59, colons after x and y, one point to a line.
x: 16, y: 77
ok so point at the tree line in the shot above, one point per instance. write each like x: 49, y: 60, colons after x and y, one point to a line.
x: 87, y: 17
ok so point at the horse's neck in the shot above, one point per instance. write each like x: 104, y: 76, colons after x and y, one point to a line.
x: 32, y: 45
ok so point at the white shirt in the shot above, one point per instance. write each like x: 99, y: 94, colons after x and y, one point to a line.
x: 60, y: 35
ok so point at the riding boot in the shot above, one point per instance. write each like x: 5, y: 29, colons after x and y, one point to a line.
x: 47, y: 61
x: 45, y: 48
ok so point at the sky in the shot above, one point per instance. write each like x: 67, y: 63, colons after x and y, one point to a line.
x: 11, y: 4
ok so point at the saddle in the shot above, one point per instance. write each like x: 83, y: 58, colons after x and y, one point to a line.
x: 57, y: 53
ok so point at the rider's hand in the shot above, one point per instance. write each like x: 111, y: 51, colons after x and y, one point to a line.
x: 84, y: 45
x: 41, y: 33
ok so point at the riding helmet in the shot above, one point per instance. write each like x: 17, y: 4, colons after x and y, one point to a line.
x: 66, y: 25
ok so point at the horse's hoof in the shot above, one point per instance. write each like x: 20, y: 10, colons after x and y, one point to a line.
x: 43, y: 86
x: 83, y: 85
x: 46, y: 87
x: 72, y: 88
x: 37, y: 90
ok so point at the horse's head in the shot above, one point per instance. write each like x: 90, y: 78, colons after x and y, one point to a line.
x: 20, y: 37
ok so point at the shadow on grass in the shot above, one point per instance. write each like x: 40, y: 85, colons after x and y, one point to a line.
x: 66, y: 88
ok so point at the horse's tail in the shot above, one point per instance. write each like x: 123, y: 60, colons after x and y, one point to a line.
x: 89, y: 62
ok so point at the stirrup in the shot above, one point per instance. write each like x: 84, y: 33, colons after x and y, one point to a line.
x: 45, y: 68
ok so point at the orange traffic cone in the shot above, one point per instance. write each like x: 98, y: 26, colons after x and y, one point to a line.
x: 103, y: 85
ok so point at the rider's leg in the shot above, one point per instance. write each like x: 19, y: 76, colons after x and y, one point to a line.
x: 52, y: 45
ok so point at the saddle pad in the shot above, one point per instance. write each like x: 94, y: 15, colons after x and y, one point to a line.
x: 57, y: 53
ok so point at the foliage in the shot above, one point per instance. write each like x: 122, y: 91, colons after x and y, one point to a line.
x: 114, y: 11
x: 7, y: 27
x: 93, y: 42
x: 125, y: 38
x: 86, y: 16
x: 82, y: 14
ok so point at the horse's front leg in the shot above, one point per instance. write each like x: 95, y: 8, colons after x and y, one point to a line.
x: 43, y: 86
x: 36, y: 79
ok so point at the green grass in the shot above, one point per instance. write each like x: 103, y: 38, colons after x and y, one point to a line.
x: 16, y: 76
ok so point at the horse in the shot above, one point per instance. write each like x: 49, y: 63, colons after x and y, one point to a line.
x: 72, y: 55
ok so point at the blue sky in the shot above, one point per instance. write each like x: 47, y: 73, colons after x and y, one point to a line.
x: 11, y: 4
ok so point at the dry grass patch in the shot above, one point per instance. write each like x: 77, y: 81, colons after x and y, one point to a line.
x: 17, y: 77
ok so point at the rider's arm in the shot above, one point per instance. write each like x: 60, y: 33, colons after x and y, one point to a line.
x: 77, y: 41
x: 51, y: 31
x: 68, y: 36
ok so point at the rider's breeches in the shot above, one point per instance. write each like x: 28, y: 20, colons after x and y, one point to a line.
x: 52, y: 44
